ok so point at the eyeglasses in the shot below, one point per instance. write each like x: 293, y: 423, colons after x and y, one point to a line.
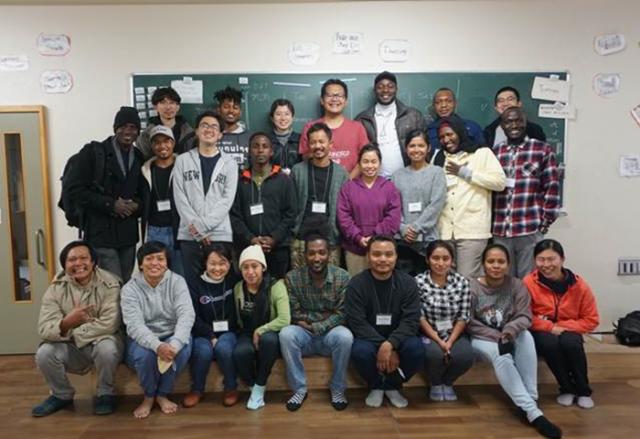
x: 206, y: 126
x: 335, y: 96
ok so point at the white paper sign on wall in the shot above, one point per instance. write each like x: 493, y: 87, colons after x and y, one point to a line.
x: 53, y: 44
x: 606, y: 84
x: 550, y: 89
x: 394, y: 50
x: 304, y: 54
x: 347, y: 43
x: 557, y: 110
x: 14, y: 63
x: 56, y: 81
x: 608, y: 44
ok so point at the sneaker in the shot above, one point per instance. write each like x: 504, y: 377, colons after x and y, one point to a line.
x: 374, y: 398
x: 339, y: 400
x: 256, y: 399
x: 585, y: 402
x: 449, y: 393
x: 191, y: 399
x: 50, y: 405
x: 229, y: 398
x: 105, y: 405
x: 546, y: 428
x: 436, y: 393
x: 396, y: 399
x: 565, y: 399
x: 296, y: 401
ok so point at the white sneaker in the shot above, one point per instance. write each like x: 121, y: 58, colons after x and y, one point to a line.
x: 585, y: 402
x: 374, y: 399
x: 449, y: 393
x: 566, y: 399
x: 256, y: 399
x: 396, y: 399
x: 436, y: 393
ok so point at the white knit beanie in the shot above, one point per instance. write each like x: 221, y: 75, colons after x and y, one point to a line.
x: 253, y: 253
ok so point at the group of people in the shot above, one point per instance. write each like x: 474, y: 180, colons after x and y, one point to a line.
x: 434, y: 225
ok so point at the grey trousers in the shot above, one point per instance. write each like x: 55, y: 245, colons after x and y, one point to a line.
x: 520, y: 252
x: 118, y: 261
x: 469, y: 256
x: 460, y: 361
x: 55, y: 359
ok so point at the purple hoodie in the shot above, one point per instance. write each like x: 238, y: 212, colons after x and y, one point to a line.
x: 364, y: 211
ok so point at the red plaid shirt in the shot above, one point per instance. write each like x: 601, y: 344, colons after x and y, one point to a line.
x: 533, y: 201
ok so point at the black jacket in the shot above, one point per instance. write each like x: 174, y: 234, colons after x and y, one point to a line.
x: 102, y: 227
x: 278, y: 198
x: 145, y: 194
x: 362, y: 306
x: 407, y: 120
x: 286, y: 156
x: 213, y: 302
x: 532, y: 130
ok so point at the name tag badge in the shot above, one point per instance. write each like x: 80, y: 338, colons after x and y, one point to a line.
x: 383, y: 319
x: 511, y: 183
x: 256, y: 209
x: 444, y: 325
x: 318, y: 207
x: 415, y: 207
x: 221, y: 326
x: 452, y: 180
x: 164, y: 205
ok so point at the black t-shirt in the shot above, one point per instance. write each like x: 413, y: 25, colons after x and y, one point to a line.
x: 247, y: 312
x: 207, y: 164
x: 160, y: 192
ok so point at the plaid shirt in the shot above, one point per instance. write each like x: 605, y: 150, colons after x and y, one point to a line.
x: 323, y: 308
x: 444, y: 304
x: 534, y: 201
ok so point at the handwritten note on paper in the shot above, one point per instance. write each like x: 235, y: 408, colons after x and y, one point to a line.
x: 394, y: 50
x: 190, y: 91
x: 53, y: 44
x: 608, y: 44
x: 606, y: 84
x: 14, y: 63
x: 557, y: 111
x: 347, y: 43
x: 56, y: 81
x: 629, y: 165
x: 550, y: 89
x: 635, y: 113
x: 304, y: 54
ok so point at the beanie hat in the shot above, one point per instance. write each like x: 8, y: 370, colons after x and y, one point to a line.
x: 253, y: 253
x: 126, y: 115
x: 385, y: 75
x: 161, y: 129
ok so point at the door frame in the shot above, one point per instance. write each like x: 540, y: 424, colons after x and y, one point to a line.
x: 40, y: 110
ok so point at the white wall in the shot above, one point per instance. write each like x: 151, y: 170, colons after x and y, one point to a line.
x: 111, y: 42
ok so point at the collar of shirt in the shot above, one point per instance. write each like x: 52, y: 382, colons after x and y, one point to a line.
x: 518, y: 146
x: 386, y: 110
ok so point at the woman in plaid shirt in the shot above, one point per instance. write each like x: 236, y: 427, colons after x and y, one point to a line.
x: 446, y: 304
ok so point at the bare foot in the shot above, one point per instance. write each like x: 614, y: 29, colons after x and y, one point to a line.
x: 143, y: 410
x: 167, y: 406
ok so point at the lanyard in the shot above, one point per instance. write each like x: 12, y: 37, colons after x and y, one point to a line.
x: 213, y: 306
x: 326, y: 182
x: 154, y: 182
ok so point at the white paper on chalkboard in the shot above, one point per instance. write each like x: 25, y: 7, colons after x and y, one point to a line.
x: 606, y: 84
x: 550, y: 89
x: 557, y: 110
x: 189, y: 90
x: 141, y: 106
x: 53, y: 44
x: 394, y: 50
x: 608, y: 44
x: 304, y: 54
x: 13, y: 63
x: 56, y: 81
x: 347, y: 43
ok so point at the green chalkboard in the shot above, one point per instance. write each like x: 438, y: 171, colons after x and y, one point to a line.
x: 474, y: 91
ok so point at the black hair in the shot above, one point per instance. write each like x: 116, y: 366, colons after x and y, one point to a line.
x: 369, y: 147
x: 453, y: 95
x: 314, y: 236
x: 64, y: 253
x: 314, y: 224
x: 220, y: 249
x: 260, y: 133
x: 382, y: 238
x: 494, y: 246
x: 439, y: 243
x: 507, y: 88
x: 282, y: 103
x: 228, y: 94
x: 334, y: 81
x: 210, y: 113
x: 416, y: 133
x: 319, y: 126
x: 151, y: 247
x: 548, y: 244
x: 165, y: 92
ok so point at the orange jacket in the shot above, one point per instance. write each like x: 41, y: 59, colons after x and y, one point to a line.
x: 574, y: 310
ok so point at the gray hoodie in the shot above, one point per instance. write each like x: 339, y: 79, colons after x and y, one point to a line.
x: 209, y: 214
x: 151, y: 313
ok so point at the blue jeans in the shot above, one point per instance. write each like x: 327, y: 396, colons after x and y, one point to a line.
x: 364, y: 354
x: 202, y: 355
x: 296, y: 342
x: 165, y: 236
x: 145, y: 363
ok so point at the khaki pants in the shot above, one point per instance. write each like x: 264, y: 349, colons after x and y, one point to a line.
x: 297, y: 254
x: 355, y: 263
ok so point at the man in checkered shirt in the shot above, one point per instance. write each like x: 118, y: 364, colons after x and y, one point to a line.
x: 530, y: 202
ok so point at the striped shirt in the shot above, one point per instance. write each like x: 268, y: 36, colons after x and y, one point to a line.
x: 533, y: 199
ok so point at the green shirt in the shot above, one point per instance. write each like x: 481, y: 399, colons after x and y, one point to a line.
x: 279, y: 313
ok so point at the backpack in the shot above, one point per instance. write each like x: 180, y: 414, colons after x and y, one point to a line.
x: 627, y: 330
x: 69, y: 202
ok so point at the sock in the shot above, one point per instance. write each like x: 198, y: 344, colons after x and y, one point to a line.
x: 296, y: 400
x: 339, y: 400
x: 256, y: 399
x: 396, y: 399
x: 374, y: 399
x: 546, y: 428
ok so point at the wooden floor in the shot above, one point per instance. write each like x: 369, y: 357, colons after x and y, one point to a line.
x: 483, y: 411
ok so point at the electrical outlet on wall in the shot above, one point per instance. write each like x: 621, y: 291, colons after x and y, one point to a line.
x: 629, y: 267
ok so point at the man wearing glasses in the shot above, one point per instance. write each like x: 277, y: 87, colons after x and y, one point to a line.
x: 204, y: 187
x: 348, y: 135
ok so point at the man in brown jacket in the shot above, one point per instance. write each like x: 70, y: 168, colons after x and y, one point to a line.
x: 80, y: 326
